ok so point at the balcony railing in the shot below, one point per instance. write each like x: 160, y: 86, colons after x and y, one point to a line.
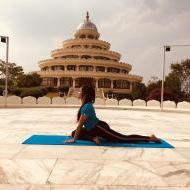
x: 78, y: 61
x: 97, y: 52
x: 70, y: 42
x: 76, y: 74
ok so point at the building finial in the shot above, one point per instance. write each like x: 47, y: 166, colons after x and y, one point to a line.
x: 87, y: 16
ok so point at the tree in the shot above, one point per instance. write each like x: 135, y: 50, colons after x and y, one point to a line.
x: 35, y: 92
x: 173, y: 84
x: 138, y: 91
x: 63, y: 90
x: 178, y: 80
x: 155, y: 94
x: 1, y: 91
x: 176, y: 84
x: 181, y: 71
x: 29, y: 80
x: 121, y: 96
x: 14, y: 71
x: 152, y: 84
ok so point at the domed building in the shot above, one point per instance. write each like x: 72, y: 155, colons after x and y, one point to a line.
x: 87, y: 60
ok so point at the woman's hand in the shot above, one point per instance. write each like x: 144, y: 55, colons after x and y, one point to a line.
x: 97, y: 140
x: 70, y: 141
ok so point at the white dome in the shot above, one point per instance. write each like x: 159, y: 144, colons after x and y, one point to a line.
x: 87, y: 25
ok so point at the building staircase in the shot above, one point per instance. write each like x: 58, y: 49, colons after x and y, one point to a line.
x: 74, y: 92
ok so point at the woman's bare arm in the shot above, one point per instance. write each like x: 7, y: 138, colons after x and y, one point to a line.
x: 81, y: 122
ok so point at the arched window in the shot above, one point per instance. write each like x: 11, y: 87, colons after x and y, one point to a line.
x: 66, y: 81
x: 113, y: 70
x: 71, y: 67
x: 75, y: 46
x: 84, y: 81
x: 121, y: 84
x: 117, y: 84
x: 48, y: 81
x: 70, y: 56
x: 126, y: 84
x: 85, y: 68
x: 82, y: 36
x: 100, y: 69
x: 101, y: 57
x: 44, y: 69
x: 96, y: 47
x: 104, y: 83
x: 86, y: 57
x: 62, y: 68
x: 124, y: 71
x: 90, y: 36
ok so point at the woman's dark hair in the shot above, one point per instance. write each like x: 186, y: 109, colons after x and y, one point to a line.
x: 89, y: 93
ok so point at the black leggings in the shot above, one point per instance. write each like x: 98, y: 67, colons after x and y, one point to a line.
x: 102, y: 129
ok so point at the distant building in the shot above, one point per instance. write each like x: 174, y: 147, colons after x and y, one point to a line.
x: 87, y: 60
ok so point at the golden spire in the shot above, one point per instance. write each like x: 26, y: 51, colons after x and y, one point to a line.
x: 87, y: 16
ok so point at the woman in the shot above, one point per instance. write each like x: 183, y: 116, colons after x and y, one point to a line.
x: 96, y: 130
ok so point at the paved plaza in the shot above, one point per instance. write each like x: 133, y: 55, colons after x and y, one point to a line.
x: 45, y: 167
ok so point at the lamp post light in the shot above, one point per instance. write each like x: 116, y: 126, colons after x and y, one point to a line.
x: 5, y: 39
x: 166, y: 48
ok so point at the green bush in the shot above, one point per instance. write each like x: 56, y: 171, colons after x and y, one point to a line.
x: 1, y: 91
x: 187, y: 98
x: 44, y: 90
x: 2, y: 81
x: 35, y: 92
x: 122, y: 96
x: 51, y: 89
x: 16, y: 91
x: 63, y: 89
x: 108, y: 94
x: 156, y: 95
x: 29, y: 80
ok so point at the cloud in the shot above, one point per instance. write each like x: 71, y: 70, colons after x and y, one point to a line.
x: 137, y: 29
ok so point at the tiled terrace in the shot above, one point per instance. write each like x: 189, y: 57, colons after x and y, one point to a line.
x: 38, y: 167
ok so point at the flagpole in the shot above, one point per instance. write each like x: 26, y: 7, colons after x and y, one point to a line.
x: 6, y: 78
x: 167, y: 48
x: 163, y: 76
x: 5, y: 39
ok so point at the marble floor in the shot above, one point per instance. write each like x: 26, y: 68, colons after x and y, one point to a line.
x: 45, y: 167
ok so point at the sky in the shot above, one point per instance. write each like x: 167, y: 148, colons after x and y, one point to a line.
x: 137, y: 29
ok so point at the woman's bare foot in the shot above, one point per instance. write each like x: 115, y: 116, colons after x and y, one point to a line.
x: 155, y: 139
x: 97, y: 140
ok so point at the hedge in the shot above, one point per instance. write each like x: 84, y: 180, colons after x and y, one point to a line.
x: 35, y: 92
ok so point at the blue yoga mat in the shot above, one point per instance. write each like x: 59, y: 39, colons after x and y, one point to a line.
x: 59, y: 140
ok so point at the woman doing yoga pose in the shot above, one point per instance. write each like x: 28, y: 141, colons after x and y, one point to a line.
x: 91, y: 128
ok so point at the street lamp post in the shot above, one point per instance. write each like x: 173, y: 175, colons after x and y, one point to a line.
x: 163, y: 76
x: 166, y: 48
x: 5, y: 39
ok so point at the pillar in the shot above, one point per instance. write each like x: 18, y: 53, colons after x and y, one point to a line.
x: 74, y: 82
x: 111, y: 84
x: 58, y: 82
x: 96, y: 83
x: 131, y: 86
